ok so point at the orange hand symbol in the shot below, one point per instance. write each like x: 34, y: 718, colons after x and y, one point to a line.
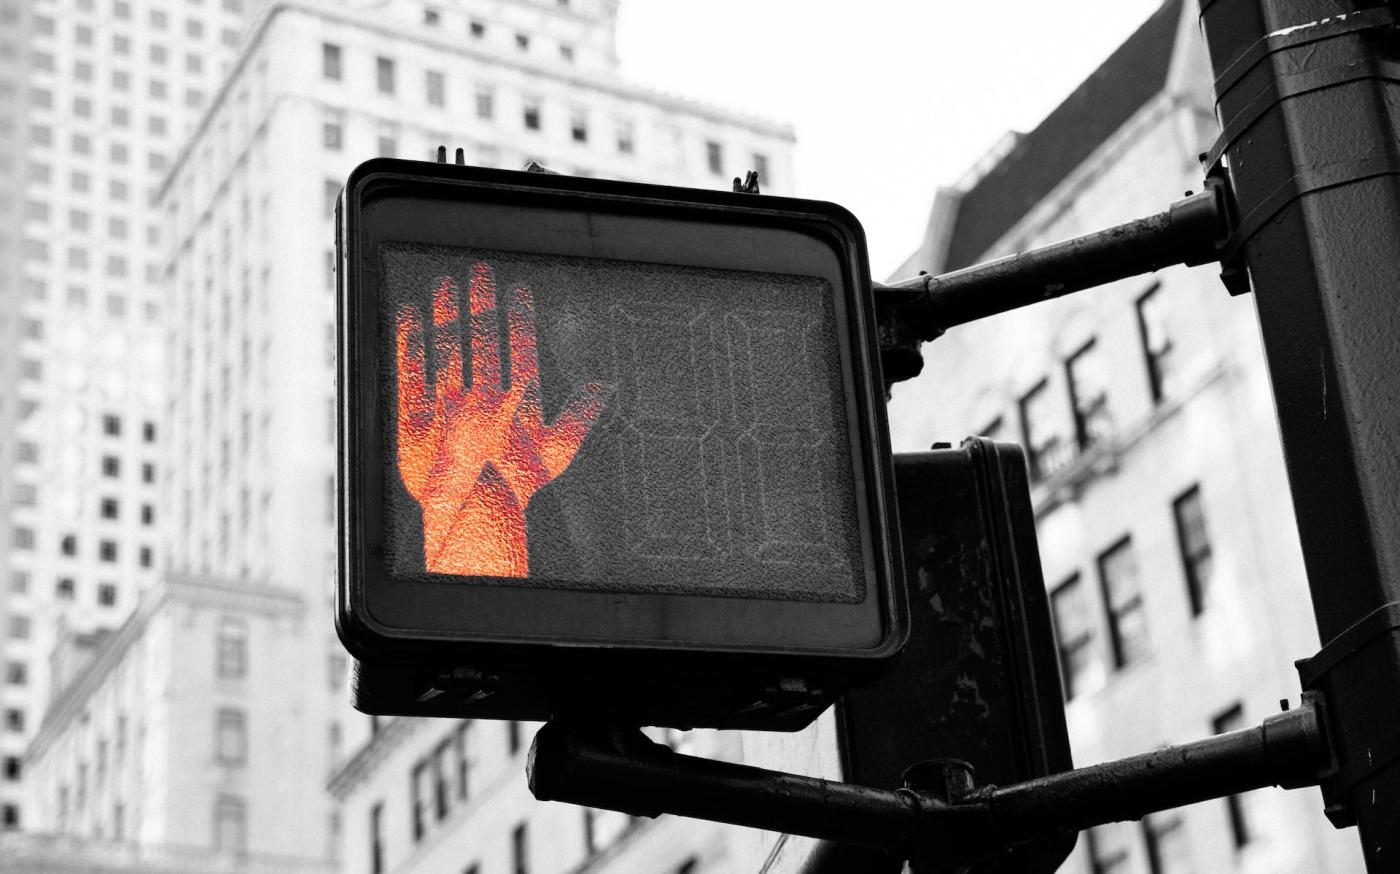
x: 474, y: 457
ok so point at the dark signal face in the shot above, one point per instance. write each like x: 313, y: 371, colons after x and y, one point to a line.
x: 595, y: 424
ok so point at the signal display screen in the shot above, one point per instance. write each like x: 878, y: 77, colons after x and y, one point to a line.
x: 593, y: 424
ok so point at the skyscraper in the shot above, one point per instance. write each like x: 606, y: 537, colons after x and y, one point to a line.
x: 95, y: 98
x: 237, y: 748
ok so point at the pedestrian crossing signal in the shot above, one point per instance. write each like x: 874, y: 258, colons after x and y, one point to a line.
x: 607, y: 446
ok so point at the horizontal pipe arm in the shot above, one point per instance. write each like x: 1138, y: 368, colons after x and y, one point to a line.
x: 624, y: 770
x: 1287, y: 750
x: 919, y: 309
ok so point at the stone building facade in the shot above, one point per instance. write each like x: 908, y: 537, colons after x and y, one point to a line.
x: 1166, y: 530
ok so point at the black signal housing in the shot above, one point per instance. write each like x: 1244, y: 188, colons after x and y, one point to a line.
x: 653, y: 479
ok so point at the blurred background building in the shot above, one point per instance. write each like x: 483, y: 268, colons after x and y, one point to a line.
x: 202, y: 729
x: 96, y: 97
x: 173, y: 690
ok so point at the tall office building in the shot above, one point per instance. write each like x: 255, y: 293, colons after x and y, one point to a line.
x: 95, y: 98
x: 224, y: 690
x: 1166, y: 532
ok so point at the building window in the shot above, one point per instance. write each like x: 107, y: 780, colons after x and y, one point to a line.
x: 112, y: 425
x: 107, y: 594
x: 148, y: 514
x: 1168, y: 851
x: 992, y: 430
x: 110, y: 508
x: 17, y: 674
x: 1088, y: 396
x: 421, y: 799
x: 384, y: 75
x: 334, y: 741
x: 19, y: 627
x: 330, y: 61
x: 436, y: 85
x: 1194, y: 543
x: 145, y: 557
x: 14, y: 720
x: 376, y: 838
x: 1045, y: 451
x: 68, y: 544
x: 602, y: 828
x: 1232, y: 719
x: 148, y: 472
x: 148, y: 432
x: 626, y: 137
x: 1074, y: 637
x: 111, y: 466
x: 442, y: 792
x: 23, y: 538
x: 330, y: 193
x: 520, y: 850
x: 459, y: 743
x: 760, y: 166
x: 13, y: 768
x: 485, y: 103
x: 432, y: 17
x: 522, y: 41
x: 1156, y: 342
x: 333, y: 836
x: 532, y: 115
x: 714, y: 156
x: 9, y: 816
x: 387, y: 147
x: 332, y: 135
x: 65, y: 589
x: 233, y: 648
x: 107, y: 550
x: 1122, y: 596
x: 578, y: 127
x: 566, y: 52
x: 231, y: 825
x: 513, y: 737
x: 231, y: 736
x: 1105, y: 855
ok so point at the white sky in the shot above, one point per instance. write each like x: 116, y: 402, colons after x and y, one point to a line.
x: 890, y: 98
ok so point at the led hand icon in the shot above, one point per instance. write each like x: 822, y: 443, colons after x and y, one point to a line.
x: 474, y: 457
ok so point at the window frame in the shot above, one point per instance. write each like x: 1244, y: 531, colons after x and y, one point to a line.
x: 1193, y: 556
x: 1070, y: 587
x: 1152, y: 356
x: 1084, y: 409
x: 1116, y: 612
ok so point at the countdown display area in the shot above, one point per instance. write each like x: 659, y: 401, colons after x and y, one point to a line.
x: 610, y: 418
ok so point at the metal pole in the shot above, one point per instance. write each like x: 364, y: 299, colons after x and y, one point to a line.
x: 1306, y: 91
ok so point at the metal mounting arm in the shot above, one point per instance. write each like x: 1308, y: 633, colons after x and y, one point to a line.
x: 1191, y: 231
x: 938, y: 825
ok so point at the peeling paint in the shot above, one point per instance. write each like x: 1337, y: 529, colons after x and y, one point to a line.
x: 1287, y: 30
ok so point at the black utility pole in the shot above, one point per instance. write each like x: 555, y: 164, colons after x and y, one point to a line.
x: 1308, y: 94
